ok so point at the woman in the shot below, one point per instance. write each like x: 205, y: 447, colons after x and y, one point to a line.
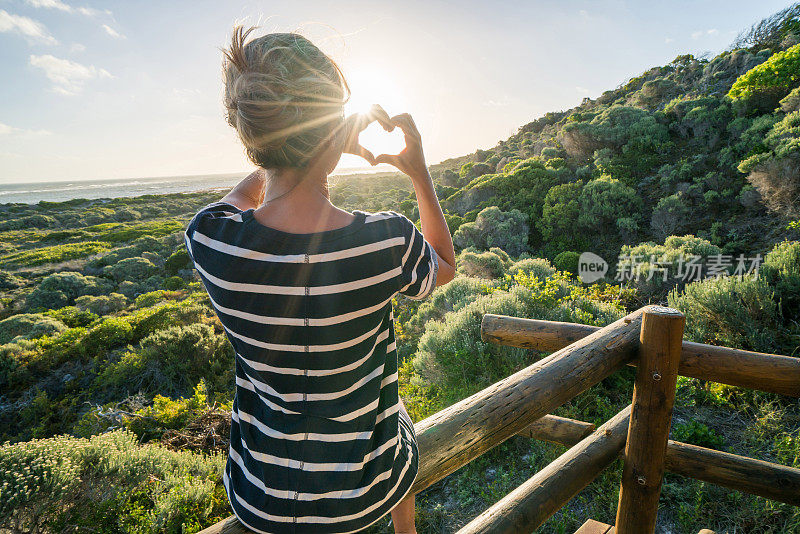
x: 320, y: 441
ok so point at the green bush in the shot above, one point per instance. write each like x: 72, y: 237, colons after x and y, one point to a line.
x: 177, y: 261
x: 481, y: 264
x: 171, y: 361
x: 697, y: 433
x: 55, y: 254
x: 73, y: 316
x: 173, y: 283
x: 567, y: 261
x: 131, y: 269
x: 102, y: 304
x: 776, y: 76
x: 453, y: 361
x: 60, y: 289
x: 111, y: 332
x: 495, y: 228
x: 151, y: 229
x: 9, y: 281
x: 739, y: 312
x: 106, y: 483
x: 168, y: 414
x: 28, y: 326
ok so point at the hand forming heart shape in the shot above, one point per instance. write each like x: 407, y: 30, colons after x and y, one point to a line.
x: 410, y: 160
x: 357, y: 123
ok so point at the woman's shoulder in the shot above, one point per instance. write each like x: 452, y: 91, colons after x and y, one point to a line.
x: 389, y: 220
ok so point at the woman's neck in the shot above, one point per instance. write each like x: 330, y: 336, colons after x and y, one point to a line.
x: 299, y: 203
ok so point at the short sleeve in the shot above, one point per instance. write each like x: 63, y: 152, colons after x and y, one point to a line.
x: 215, y: 210
x: 419, y: 263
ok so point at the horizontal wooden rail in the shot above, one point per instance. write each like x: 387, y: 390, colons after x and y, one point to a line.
x: 532, y: 503
x: 765, y: 479
x: 558, y: 430
x: 460, y: 433
x: 754, y: 370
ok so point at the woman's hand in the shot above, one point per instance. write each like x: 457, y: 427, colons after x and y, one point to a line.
x: 411, y: 160
x: 357, y: 123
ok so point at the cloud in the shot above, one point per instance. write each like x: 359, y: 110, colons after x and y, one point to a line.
x: 30, y: 28
x: 77, y: 47
x: 66, y: 8
x: 669, y: 40
x: 68, y: 77
x: 112, y: 32
x: 583, y: 14
x: 5, y: 129
x: 700, y: 33
x: 50, y: 4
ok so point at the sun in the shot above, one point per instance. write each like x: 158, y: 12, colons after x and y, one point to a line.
x: 374, y: 86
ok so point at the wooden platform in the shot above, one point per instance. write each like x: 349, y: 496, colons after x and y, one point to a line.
x: 596, y: 527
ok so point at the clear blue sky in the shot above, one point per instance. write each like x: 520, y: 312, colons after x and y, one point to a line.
x: 118, y: 89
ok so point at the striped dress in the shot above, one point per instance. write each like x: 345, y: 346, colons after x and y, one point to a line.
x: 319, y: 441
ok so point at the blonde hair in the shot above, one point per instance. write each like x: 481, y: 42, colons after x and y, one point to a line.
x: 283, y: 95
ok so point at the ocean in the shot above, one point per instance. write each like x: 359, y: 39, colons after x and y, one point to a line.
x: 33, y: 192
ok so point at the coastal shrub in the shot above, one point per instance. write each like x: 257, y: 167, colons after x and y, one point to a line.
x: 174, y: 283
x: 567, y: 261
x: 29, y: 221
x: 486, y: 264
x: 171, y: 361
x: 111, y: 332
x: 102, y: 304
x: 136, y: 248
x: 774, y: 168
x: 73, y: 316
x: 653, y: 269
x: 60, y: 289
x: 495, y: 228
x: 533, y: 267
x: 177, y: 261
x: 791, y: 102
x: 28, y: 326
x: 54, y: 254
x: 454, y: 361
x: 775, y: 77
x: 151, y: 229
x: 105, y: 483
x: 781, y: 269
x: 560, y: 212
x: 168, y: 414
x: 739, y: 312
x: 10, y: 281
x: 131, y: 269
x: 696, y: 433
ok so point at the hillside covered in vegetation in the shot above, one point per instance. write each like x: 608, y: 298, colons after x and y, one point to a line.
x: 116, y: 379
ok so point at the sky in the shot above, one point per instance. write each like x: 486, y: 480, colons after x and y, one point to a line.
x: 108, y: 89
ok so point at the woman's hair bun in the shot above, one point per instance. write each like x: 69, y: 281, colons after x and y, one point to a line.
x: 283, y: 95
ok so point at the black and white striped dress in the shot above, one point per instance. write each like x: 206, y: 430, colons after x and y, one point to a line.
x: 319, y: 442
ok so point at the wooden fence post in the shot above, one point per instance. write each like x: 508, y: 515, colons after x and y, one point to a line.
x: 653, y: 398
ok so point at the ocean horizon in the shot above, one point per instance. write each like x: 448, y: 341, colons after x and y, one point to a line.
x: 34, y: 192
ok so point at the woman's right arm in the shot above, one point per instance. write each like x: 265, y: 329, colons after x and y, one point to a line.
x: 411, y: 161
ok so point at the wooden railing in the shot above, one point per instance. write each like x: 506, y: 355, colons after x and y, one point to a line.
x: 651, y: 339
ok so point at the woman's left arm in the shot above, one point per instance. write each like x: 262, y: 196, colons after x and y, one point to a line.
x: 249, y: 193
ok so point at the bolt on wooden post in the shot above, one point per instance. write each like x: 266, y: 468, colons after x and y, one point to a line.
x: 653, y: 398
